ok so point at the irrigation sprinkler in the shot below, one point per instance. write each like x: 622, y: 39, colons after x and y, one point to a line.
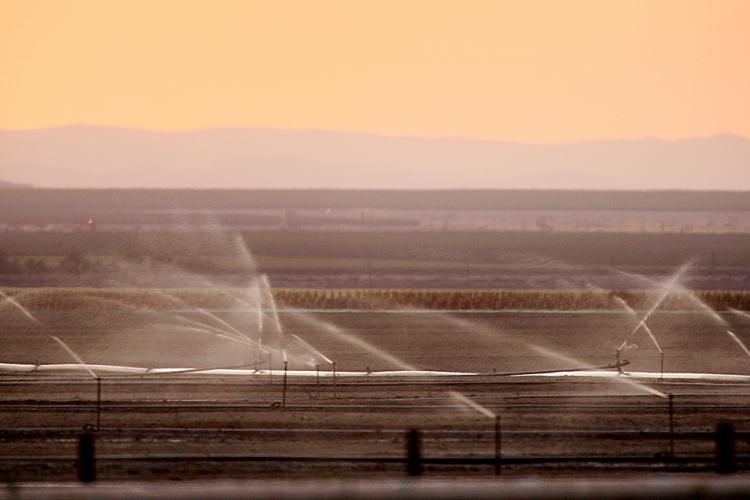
x: 283, y: 391
x: 317, y: 382
x: 498, y: 444
x: 661, y: 357
x: 670, y: 399
x: 334, y: 379
x: 86, y: 367
x: 98, y: 403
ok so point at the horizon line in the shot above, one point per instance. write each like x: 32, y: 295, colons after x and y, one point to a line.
x: 370, y: 134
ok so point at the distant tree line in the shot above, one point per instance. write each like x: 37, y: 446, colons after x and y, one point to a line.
x: 74, y: 263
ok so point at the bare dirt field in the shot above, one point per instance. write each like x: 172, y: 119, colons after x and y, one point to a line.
x: 199, y: 427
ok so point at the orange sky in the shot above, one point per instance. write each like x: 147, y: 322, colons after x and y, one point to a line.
x: 525, y: 71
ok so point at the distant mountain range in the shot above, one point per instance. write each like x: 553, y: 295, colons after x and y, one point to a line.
x: 93, y: 156
x: 13, y: 185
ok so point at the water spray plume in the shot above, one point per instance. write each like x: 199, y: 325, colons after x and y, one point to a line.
x: 221, y: 321
x: 555, y: 355
x: 472, y: 404
x: 215, y: 334
x: 351, y: 339
x: 740, y: 342
x: 625, y: 305
x: 739, y: 313
x: 695, y: 300
x: 205, y: 326
x: 271, y: 303
x: 652, y: 337
x: 10, y: 300
x: 75, y: 356
x: 312, y: 349
x: 260, y: 318
x: 234, y: 331
x: 668, y: 289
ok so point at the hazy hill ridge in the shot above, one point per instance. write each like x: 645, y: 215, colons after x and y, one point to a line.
x: 12, y: 185
x: 93, y: 156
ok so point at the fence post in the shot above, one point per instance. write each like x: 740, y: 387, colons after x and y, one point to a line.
x: 334, y: 379
x: 498, y: 445
x: 98, y: 403
x: 725, y: 453
x: 87, y: 455
x: 671, y: 425
x: 283, y: 391
x: 317, y: 382
x: 413, y: 453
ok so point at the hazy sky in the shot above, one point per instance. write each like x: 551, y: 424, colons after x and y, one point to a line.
x: 531, y: 71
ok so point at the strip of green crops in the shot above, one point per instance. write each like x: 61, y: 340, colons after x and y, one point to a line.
x: 115, y: 299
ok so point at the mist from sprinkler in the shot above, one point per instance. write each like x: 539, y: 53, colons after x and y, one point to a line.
x: 740, y: 342
x: 75, y: 356
x: 350, y: 338
x: 623, y: 380
x: 13, y: 302
x: 312, y: 349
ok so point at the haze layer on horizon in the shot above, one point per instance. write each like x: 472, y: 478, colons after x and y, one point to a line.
x: 104, y: 157
x: 532, y: 72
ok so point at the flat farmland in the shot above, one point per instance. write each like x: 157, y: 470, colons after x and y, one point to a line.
x: 154, y: 427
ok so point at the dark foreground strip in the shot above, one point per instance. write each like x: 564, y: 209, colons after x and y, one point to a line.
x: 525, y: 460
x: 486, y: 488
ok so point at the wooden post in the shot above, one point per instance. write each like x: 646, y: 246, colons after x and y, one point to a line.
x: 334, y: 379
x: 98, y: 403
x: 726, y: 461
x: 671, y: 425
x: 498, y: 444
x: 87, y: 455
x: 661, y: 377
x: 283, y: 391
x: 413, y: 453
x: 317, y: 382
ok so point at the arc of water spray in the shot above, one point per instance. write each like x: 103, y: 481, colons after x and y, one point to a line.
x: 75, y: 356
x: 214, y: 333
x: 260, y: 318
x: 10, y: 300
x: 740, y: 342
x: 247, y: 342
x: 271, y: 303
x: 209, y: 314
x: 258, y: 307
x: 208, y: 327
x: 641, y: 324
x: 742, y: 314
x: 695, y: 300
x: 390, y: 358
x: 652, y: 337
x: 312, y: 349
x: 674, y: 286
x: 623, y: 380
x: 668, y: 289
x: 472, y: 404
x: 222, y: 321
